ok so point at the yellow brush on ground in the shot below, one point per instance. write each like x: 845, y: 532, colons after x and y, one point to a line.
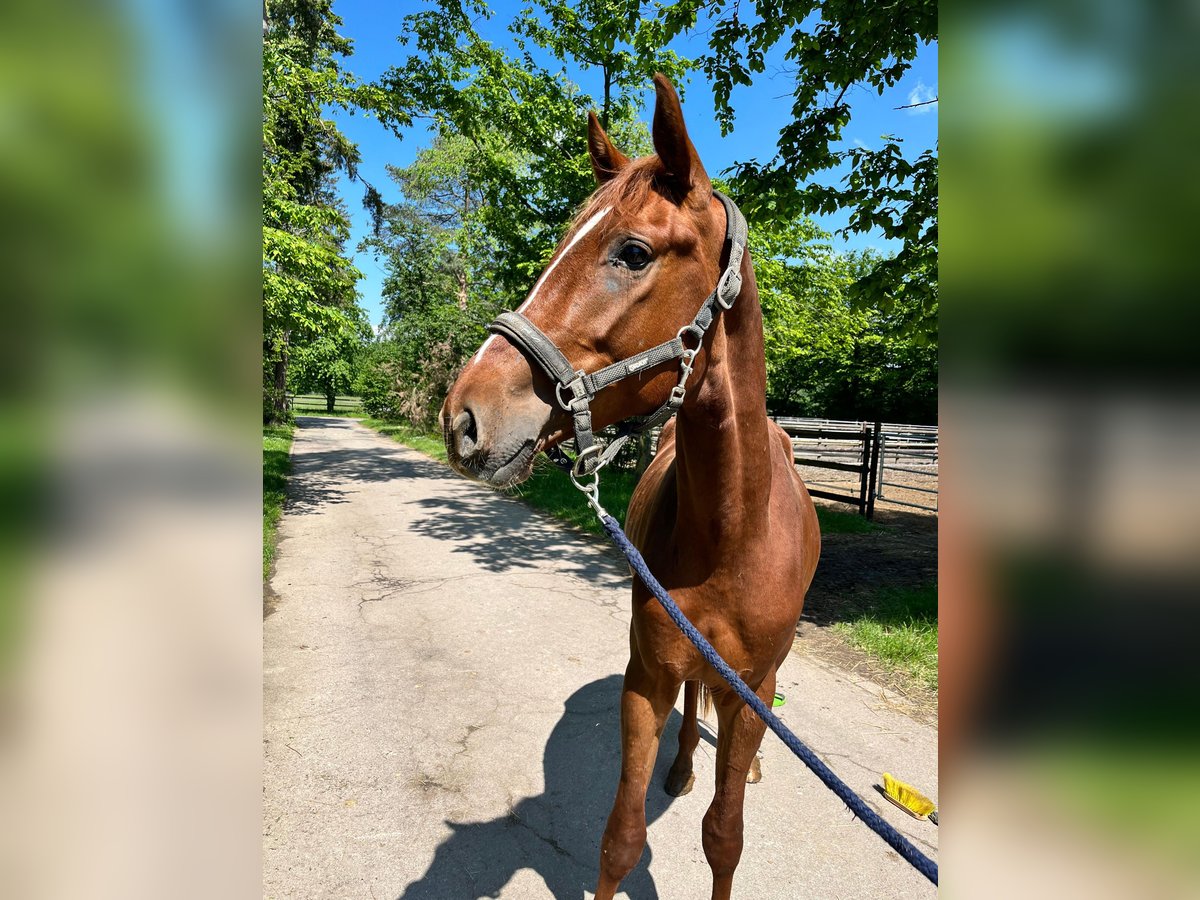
x: 909, y: 799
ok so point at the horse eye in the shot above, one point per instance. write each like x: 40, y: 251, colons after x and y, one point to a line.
x: 634, y: 256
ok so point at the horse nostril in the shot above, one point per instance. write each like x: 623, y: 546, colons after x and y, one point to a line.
x: 466, y: 438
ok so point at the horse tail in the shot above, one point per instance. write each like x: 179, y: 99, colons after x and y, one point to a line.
x: 704, y: 706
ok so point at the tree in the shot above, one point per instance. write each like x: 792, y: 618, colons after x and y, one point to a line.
x: 826, y: 355
x: 308, y: 283
x: 833, y: 47
x: 607, y: 35
x: 484, y: 206
x: 524, y: 124
x: 444, y: 222
x: 442, y: 286
x: 328, y: 364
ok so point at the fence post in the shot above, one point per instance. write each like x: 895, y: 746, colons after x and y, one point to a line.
x: 880, y: 481
x: 876, y: 440
x: 862, y: 478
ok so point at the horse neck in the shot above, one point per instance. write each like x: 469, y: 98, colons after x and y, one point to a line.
x: 722, y: 436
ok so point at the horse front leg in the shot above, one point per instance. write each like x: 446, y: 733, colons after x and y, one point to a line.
x: 646, y: 701
x: 739, y: 734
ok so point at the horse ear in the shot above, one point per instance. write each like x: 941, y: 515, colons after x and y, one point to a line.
x: 673, y: 145
x: 607, y: 160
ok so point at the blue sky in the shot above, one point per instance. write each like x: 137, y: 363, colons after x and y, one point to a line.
x: 761, y: 111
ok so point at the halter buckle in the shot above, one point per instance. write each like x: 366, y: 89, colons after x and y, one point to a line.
x: 558, y: 386
x: 577, y: 469
x: 728, y: 288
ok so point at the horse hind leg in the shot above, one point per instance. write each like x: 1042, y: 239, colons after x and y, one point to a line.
x: 739, y: 734
x: 645, y: 704
x: 754, y: 776
x: 681, y: 777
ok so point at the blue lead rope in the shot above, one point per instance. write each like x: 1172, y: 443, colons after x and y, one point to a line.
x: 857, y: 805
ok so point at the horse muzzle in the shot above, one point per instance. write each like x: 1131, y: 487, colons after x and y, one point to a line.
x: 490, y: 443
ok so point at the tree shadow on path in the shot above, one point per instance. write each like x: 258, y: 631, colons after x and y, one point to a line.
x: 502, y: 534
x: 556, y: 834
x: 498, y: 532
x: 321, y: 478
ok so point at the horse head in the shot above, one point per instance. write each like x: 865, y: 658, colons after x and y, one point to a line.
x: 634, y: 266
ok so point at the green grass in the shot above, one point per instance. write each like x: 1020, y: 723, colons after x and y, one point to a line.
x: 550, y: 489
x: 834, y: 521
x: 898, y: 626
x: 277, y: 463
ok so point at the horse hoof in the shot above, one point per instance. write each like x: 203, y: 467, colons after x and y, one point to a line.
x: 678, y: 785
x: 754, y: 776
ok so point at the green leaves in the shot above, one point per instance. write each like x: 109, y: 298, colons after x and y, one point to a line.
x: 609, y: 35
x: 834, y: 46
x: 520, y: 127
x: 826, y: 354
x: 328, y: 363
x: 484, y: 206
x: 309, y: 296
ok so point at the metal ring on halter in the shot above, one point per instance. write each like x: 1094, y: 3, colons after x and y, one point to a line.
x: 558, y: 386
x: 695, y: 331
x: 576, y: 471
x: 590, y: 491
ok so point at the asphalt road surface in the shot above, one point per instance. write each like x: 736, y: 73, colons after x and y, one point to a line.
x: 442, y: 673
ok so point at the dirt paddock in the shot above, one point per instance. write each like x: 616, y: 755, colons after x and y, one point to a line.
x: 901, y: 552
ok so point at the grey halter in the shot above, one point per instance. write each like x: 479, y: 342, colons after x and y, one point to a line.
x: 575, y: 389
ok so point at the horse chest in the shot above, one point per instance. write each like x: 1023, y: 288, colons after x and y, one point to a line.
x: 740, y: 610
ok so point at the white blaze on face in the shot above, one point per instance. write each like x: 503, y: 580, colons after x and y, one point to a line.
x: 575, y: 238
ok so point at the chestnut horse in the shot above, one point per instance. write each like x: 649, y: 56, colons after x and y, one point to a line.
x: 721, y: 515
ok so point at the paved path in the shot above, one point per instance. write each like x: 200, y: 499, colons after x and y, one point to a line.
x: 442, y: 674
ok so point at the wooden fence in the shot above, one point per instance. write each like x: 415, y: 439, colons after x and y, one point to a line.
x: 842, y: 447
x: 870, y: 452
x: 315, y: 403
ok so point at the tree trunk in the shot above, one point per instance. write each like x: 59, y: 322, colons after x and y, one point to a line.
x: 607, y: 92
x: 279, y: 401
x: 644, y: 454
x: 330, y: 399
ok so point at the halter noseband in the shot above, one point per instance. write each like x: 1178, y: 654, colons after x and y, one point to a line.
x: 575, y: 389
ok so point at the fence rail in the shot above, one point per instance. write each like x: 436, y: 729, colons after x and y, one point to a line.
x: 870, y: 450
x: 841, y: 447
x: 310, y: 402
x: 910, y: 453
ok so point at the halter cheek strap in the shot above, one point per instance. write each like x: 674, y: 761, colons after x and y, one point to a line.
x: 576, y: 389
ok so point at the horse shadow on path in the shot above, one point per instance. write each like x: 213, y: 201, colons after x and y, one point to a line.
x: 557, y: 833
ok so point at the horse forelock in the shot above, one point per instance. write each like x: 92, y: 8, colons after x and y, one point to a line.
x: 625, y: 193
